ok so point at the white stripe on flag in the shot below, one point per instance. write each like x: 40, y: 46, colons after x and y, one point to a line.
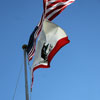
x: 54, y: 12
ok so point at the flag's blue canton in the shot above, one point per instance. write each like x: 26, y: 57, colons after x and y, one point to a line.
x: 31, y: 40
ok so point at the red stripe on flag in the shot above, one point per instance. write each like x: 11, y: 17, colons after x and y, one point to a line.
x: 58, y: 7
x: 52, y: 17
x: 52, y: 4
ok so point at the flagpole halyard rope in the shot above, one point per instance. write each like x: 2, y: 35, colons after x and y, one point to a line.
x: 17, y: 82
x: 30, y: 83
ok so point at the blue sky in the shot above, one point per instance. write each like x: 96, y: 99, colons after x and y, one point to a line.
x: 75, y: 70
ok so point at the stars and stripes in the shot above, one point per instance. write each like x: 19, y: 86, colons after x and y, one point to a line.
x: 31, y: 44
x: 52, y: 8
x: 55, y: 7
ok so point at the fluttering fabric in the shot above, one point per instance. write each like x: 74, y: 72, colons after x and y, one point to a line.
x: 52, y: 8
x: 51, y: 39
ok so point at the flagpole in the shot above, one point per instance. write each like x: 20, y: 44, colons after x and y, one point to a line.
x: 25, y: 68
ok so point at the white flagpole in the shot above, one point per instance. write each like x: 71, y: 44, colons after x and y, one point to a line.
x: 25, y: 67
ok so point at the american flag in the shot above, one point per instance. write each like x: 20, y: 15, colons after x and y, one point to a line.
x: 52, y: 8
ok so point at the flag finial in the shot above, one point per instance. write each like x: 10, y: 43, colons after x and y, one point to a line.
x: 24, y: 46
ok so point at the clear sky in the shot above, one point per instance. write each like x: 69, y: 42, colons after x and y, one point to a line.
x: 75, y: 70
